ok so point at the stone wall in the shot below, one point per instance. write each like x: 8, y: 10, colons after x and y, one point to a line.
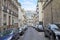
x: 51, y: 12
x: 56, y: 11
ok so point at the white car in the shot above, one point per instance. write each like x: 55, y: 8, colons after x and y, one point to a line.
x: 40, y: 28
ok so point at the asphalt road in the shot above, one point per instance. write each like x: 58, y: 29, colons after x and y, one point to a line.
x: 32, y: 34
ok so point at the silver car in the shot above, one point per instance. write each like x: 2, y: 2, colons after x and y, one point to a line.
x: 53, y: 32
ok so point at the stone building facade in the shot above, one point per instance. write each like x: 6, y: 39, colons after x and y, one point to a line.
x: 39, y: 11
x: 51, y: 12
x: 9, y: 13
x: 22, y: 17
x: 35, y: 19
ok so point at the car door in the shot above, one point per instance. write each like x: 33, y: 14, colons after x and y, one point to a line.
x: 50, y: 31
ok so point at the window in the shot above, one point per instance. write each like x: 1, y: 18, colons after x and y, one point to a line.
x: 4, y: 22
x: 49, y: 27
x: 5, y: 9
x: 9, y: 11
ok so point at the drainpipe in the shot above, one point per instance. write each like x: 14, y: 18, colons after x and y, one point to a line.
x: 51, y: 14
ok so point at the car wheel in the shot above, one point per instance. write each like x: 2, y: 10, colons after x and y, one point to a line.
x: 57, y: 38
x: 21, y: 34
x: 52, y: 37
x: 46, y: 35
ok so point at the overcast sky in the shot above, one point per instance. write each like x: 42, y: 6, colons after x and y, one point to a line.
x: 28, y: 4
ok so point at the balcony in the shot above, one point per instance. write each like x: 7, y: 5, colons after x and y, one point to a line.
x: 14, y: 14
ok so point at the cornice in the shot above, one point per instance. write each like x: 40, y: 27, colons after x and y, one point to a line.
x: 46, y: 4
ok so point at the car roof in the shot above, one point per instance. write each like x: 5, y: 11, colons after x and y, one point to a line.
x: 53, y: 26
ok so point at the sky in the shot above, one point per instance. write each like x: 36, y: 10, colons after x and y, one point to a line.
x: 28, y: 4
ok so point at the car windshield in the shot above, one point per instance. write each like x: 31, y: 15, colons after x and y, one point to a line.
x: 40, y: 26
x: 20, y: 29
x: 54, y: 27
x: 5, y: 32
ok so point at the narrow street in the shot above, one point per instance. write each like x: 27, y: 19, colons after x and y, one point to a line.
x: 32, y: 34
x: 26, y: 19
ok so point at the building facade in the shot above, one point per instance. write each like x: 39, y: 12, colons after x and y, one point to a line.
x: 51, y: 12
x: 22, y: 17
x: 23, y: 20
x: 35, y: 19
x: 9, y: 13
x: 39, y: 11
x: 31, y: 18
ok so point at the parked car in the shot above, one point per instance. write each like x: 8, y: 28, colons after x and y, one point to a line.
x: 25, y: 27
x: 15, y: 35
x: 58, y: 25
x: 40, y: 28
x: 36, y: 26
x: 6, y: 34
x: 52, y: 31
x: 22, y: 30
x: 33, y: 26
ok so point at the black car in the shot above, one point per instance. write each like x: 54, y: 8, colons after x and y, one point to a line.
x: 21, y: 31
x: 52, y: 31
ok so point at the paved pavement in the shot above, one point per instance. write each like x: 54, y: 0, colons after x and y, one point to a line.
x: 32, y: 34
